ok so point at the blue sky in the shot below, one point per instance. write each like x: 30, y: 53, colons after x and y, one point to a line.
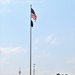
x: 53, y: 37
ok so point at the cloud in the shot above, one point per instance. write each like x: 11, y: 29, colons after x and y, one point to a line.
x: 36, y: 43
x: 19, y: 1
x: 14, y: 1
x: 8, y: 50
x: 41, y: 56
x: 51, y: 39
x: 41, y: 1
x: 28, y: 1
x: 37, y: 40
x: 3, y: 61
x: 71, y: 61
x: 45, y: 73
x: 5, y: 10
x: 5, y: 1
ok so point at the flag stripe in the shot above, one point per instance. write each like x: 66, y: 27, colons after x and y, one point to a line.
x: 33, y: 15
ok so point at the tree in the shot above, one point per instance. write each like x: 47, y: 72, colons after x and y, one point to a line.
x: 58, y: 74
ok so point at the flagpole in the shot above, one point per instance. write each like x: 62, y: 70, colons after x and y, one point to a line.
x: 30, y: 43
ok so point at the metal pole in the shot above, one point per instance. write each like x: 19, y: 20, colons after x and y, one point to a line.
x: 19, y: 71
x: 33, y: 69
x: 30, y: 42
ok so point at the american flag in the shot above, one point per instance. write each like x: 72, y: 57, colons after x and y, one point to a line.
x: 33, y: 15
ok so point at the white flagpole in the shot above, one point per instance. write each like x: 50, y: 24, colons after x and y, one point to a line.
x: 30, y: 43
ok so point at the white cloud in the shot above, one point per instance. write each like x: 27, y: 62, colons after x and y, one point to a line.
x: 43, y: 55
x: 51, y: 39
x: 36, y: 43
x: 41, y: 1
x: 5, y: 5
x: 11, y: 1
x: 45, y: 73
x: 19, y: 1
x: 28, y: 1
x: 71, y: 61
x: 8, y: 52
x: 5, y: 1
x: 5, y: 10
x: 3, y: 61
x: 14, y: 1
x: 37, y: 40
x: 11, y: 50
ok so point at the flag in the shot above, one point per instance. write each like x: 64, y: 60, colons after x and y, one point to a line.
x: 33, y: 15
x: 31, y: 23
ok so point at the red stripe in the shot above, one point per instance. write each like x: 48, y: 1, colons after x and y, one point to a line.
x: 33, y: 16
